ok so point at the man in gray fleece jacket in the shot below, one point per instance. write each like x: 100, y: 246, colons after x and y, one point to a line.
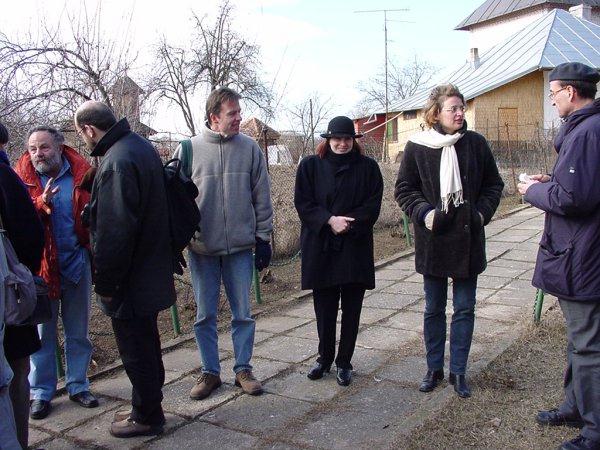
x: 236, y: 216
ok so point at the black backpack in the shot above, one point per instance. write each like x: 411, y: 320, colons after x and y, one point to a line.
x: 184, y: 215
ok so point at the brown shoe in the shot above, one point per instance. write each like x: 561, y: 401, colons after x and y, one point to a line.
x: 250, y: 385
x: 121, y: 414
x: 130, y: 428
x: 207, y: 382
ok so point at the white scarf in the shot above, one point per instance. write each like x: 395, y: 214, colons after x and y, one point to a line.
x: 450, y: 185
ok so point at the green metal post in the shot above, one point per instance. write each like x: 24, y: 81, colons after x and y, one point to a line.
x: 406, y: 230
x: 256, y: 283
x: 175, y: 320
x: 60, y: 370
x: 539, y: 302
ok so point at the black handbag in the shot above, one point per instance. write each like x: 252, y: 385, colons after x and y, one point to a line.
x: 43, y: 311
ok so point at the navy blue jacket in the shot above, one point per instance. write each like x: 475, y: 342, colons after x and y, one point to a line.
x: 568, y: 261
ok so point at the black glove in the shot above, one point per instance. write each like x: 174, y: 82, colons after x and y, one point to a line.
x: 262, y: 254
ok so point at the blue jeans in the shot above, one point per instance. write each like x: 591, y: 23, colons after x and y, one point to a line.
x: 461, y: 328
x: 75, y: 313
x: 236, y: 272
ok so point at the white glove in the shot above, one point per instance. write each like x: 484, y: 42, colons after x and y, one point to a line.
x: 429, y: 219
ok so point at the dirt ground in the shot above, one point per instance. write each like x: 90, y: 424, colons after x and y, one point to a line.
x: 282, y: 280
x: 506, y: 397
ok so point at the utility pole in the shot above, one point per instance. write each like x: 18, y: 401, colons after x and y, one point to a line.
x: 385, y: 156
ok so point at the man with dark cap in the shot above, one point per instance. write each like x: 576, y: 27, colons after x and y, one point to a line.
x: 568, y: 262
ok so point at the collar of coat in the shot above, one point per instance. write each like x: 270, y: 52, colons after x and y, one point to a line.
x: 78, y: 163
x: 574, y: 119
x: 114, y: 133
x: 215, y: 137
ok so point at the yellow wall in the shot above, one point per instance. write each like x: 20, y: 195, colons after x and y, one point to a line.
x: 526, y: 95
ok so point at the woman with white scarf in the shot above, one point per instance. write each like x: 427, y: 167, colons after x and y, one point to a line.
x: 449, y: 186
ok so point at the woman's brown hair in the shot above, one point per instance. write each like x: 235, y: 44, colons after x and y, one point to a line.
x: 323, y: 146
x: 437, y: 97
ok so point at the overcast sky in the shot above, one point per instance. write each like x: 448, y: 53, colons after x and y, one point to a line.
x: 308, y: 46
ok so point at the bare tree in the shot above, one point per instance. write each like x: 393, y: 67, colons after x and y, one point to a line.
x: 403, y: 81
x: 177, y: 80
x: 217, y: 56
x: 225, y: 58
x: 55, y: 67
x: 308, y: 116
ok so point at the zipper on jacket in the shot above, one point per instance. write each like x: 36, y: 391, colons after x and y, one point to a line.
x: 223, y: 191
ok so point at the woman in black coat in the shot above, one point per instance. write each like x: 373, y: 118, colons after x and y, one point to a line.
x: 26, y: 233
x: 449, y: 186
x: 338, y: 198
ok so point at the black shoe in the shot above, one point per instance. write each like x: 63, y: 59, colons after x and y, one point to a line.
x: 344, y: 376
x: 460, y: 385
x: 553, y: 418
x: 85, y: 399
x: 580, y: 443
x: 39, y: 409
x: 317, y: 371
x: 431, y: 380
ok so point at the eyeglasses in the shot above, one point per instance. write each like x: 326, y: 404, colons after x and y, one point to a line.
x: 552, y: 94
x: 455, y: 109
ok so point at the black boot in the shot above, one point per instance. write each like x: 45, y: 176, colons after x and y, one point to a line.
x: 317, y: 371
x: 431, y: 380
x: 344, y: 376
x: 460, y: 385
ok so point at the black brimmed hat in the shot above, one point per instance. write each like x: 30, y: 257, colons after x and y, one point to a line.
x: 341, y: 126
x: 574, y: 71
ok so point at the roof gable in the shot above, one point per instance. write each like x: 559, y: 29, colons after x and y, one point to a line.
x: 553, y: 39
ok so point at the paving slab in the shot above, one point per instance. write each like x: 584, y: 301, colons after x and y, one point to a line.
x: 405, y: 320
x: 409, y: 371
x: 308, y: 331
x: 489, y: 282
x: 391, y: 274
x: 182, y: 360
x: 176, y: 398
x: 361, y: 420
x: 96, y: 433
x: 262, y: 369
x: 406, y: 288
x: 390, y: 301
x: 61, y: 444
x: 367, y: 360
x: 501, y: 312
x: 302, y: 308
x: 297, y: 385
x: 504, y: 272
x: 279, y: 324
x: 384, y: 338
x: 260, y: 415
x: 370, y: 315
x: 510, y: 263
x: 36, y: 436
x: 203, y: 435
x: 66, y: 414
x: 521, y: 255
x: 286, y: 349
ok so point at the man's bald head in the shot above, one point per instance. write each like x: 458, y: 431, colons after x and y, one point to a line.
x: 96, y: 114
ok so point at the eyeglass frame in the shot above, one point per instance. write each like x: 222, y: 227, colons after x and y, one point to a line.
x: 456, y: 108
x: 552, y: 94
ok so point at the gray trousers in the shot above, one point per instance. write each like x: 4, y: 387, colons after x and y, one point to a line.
x: 582, y: 375
x: 19, y: 396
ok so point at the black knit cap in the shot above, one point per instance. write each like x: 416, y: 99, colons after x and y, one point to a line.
x: 341, y: 126
x: 574, y: 71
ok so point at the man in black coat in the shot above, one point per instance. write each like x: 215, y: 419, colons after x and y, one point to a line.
x: 568, y: 262
x: 129, y: 227
x: 26, y: 233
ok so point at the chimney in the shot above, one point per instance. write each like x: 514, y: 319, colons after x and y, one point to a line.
x: 582, y: 11
x: 474, y: 57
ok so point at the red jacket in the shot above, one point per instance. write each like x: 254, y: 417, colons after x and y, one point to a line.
x: 50, y: 269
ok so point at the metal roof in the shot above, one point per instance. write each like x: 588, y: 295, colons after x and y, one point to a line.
x: 553, y: 39
x: 492, y: 9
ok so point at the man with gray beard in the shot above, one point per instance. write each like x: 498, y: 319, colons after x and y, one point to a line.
x: 53, y: 172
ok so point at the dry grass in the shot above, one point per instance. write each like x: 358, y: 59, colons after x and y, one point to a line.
x: 506, y: 396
